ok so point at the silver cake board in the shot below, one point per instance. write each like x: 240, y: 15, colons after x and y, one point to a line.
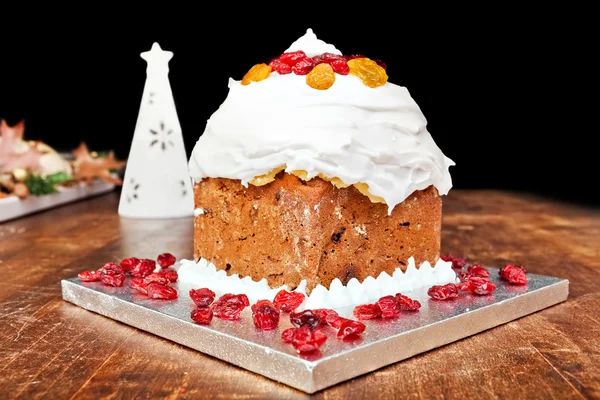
x: 384, y: 342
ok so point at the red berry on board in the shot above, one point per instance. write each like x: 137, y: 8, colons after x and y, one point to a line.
x: 484, y: 289
x: 474, y: 279
x: 202, y: 297
x: 367, y: 311
x: 89, y: 276
x: 144, y: 268
x: 128, y: 263
x: 292, y: 58
x: 116, y: 280
x: 159, y: 291
x: 265, y: 315
x: 139, y: 285
x: 514, y: 274
x: 288, y: 301
x: 169, y: 273
x: 306, y: 318
x: 329, y: 317
x: 288, y: 334
x: 166, y: 260
x: 155, y: 277
x: 406, y: 303
x: 351, y: 329
x: 464, y: 286
x: 306, y: 340
x: 230, y: 306
x: 390, y: 307
x: 478, y: 270
x: 443, y: 292
x: 457, y: 262
x: 202, y: 315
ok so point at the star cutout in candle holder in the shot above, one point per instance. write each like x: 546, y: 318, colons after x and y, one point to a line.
x: 161, y: 136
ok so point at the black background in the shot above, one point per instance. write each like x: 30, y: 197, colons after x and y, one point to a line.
x: 503, y: 89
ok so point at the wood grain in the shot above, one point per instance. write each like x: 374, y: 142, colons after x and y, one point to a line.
x: 53, y: 349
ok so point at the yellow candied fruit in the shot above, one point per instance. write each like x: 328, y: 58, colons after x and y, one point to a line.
x: 321, y: 77
x: 363, y: 188
x: 257, y: 73
x: 371, y: 73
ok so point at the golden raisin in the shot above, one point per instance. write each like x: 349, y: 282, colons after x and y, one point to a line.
x: 257, y: 73
x: 321, y: 77
x: 368, y: 71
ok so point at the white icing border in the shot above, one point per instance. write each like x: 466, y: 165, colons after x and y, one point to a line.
x: 205, y: 274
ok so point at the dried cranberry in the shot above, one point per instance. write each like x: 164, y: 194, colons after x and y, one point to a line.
x: 202, y: 315
x: 329, y: 316
x: 406, y: 303
x: 89, y: 276
x: 166, y: 260
x: 111, y: 268
x: 464, y: 286
x: 159, y: 291
x: 292, y: 58
x: 279, y: 67
x: 474, y: 279
x: 288, y: 334
x: 155, y: 277
x: 116, y: 279
x: 318, y: 59
x: 230, y: 306
x: 353, y: 56
x: 381, y: 64
x: 265, y: 315
x: 340, y: 66
x: 329, y: 57
x: 305, y: 318
x: 306, y: 340
x: 484, y: 289
x: 351, y: 329
x: 138, y: 284
x: 478, y: 270
x: 144, y: 268
x: 202, y: 297
x: 443, y: 292
x: 514, y: 274
x: 390, y: 308
x: 169, y: 273
x: 367, y: 311
x: 303, y: 67
x: 128, y: 263
x: 288, y: 301
x: 457, y: 262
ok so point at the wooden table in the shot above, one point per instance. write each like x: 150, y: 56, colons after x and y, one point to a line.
x: 52, y: 349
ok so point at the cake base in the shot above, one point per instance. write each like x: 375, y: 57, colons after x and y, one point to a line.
x: 384, y: 342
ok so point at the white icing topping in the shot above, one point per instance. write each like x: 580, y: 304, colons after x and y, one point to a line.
x: 205, y: 274
x: 376, y: 136
x: 312, y: 46
x: 198, y: 212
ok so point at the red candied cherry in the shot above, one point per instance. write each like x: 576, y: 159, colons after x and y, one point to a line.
x: 139, y: 285
x: 406, y: 303
x: 303, y: 67
x: 288, y: 301
x: 340, y: 66
x: 112, y: 274
x: 280, y: 67
x: 156, y: 277
x: 202, y: 297
x: 169, y: 273
x: 292, y: 58
x: 350, y: 330
x: 128, y: 263
x: 202, y: 315
x: 443, y: 292
x: 478, y: 270
x: 265, y: 315
x: 159, y: 291
x: 457, y: 262
x: 166, y: 260
x: 367, y: 311
x: 483, y: 289
x: 144, y: 268
x: 89, y: 276
x: 514, y: 274
x: 230, y: 306
x: 306, y: 318
x: 390, y: 307
x: 306, y: 340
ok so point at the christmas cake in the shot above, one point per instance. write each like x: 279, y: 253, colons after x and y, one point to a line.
x: 315, y: 167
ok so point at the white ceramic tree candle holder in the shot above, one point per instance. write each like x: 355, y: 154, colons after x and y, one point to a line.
x: 157, y: 183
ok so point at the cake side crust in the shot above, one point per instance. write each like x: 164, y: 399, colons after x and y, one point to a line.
x: 291, y: 229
